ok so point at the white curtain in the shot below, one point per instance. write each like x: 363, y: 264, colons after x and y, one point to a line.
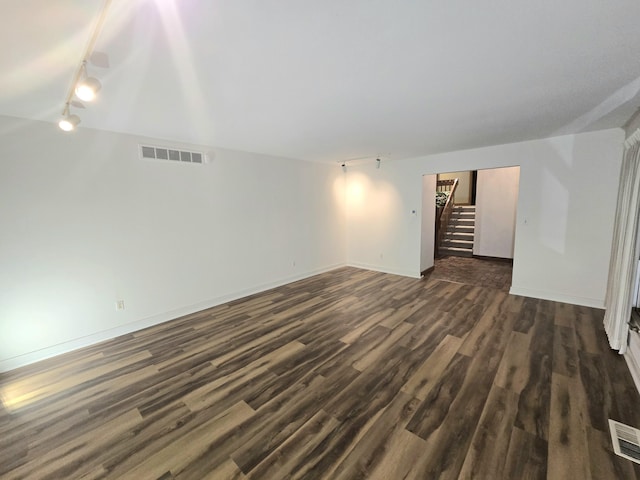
x: 624, y: 250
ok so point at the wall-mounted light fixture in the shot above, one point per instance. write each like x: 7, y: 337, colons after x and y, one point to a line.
x: 83, y: 86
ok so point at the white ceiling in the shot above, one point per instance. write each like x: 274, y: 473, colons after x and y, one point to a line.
x: 330, y: 80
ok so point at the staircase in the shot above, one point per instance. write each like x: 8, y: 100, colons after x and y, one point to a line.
x: 458, y: 236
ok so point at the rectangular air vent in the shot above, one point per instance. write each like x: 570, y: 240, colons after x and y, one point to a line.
x: 626, y: 440
x: 170, y: 154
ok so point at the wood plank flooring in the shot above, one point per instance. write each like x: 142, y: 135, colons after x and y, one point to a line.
x: 479, y: 271
x: 346, y: 375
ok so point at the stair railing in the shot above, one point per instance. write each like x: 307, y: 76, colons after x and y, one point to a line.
x: 444, y: 214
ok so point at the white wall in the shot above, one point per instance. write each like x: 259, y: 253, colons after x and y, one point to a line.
x: 496, y: 205
x: 428, y: 217
x: 383, y: 233
x: 86, y: 222
x: 564, y: 220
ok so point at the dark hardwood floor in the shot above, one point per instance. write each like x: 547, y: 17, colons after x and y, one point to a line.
x: 480, y: 271
x: 349, y: 374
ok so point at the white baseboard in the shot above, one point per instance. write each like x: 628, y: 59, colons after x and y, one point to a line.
x: 74, y: 344
x: 377, y: 268
x: 557, y: 297
x: 632, y: 356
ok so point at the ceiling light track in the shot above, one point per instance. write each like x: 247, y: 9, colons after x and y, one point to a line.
x: 83, y: 86
x: 361, y: 160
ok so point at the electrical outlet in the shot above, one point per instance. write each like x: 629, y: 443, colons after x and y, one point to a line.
x: 120, y: 305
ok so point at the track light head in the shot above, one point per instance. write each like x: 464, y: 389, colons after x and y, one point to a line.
x: 68, y: 122
x: 87, y: 89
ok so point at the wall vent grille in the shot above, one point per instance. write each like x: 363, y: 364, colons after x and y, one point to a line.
x: 152, y: 152
x: 626, y: 440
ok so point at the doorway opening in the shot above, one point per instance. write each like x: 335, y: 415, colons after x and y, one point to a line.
x: 474, y: 241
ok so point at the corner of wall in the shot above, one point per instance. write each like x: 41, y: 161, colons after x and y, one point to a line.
x: 632, y: 357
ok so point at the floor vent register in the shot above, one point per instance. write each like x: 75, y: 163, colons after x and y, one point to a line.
x: 626, y: 440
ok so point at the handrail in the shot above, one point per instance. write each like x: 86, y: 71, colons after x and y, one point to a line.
x: 442, y: 217
x: 445, y: 183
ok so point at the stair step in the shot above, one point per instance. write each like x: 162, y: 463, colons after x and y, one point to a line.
x: 457, y: 244
x: 463, y: 213
x: 459, y: 252
x: 458, y: 236
x: 456, y: 225
x: 459, y: 232
x: 462, y: 220
x: 453, y: 229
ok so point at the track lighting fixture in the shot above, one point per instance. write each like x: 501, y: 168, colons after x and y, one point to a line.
x: 87, y: 87
x: 83, y: 86
x: 68, y: 122
x: 362, y: 160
